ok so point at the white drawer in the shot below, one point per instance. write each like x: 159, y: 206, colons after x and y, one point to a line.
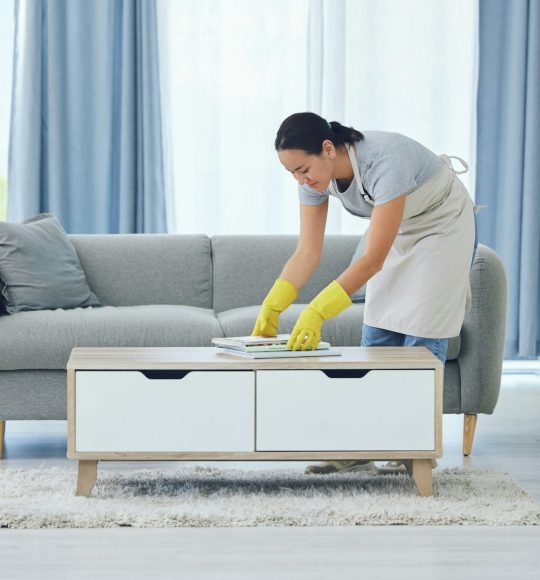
x: 129, y: 411
x: 341, y: 410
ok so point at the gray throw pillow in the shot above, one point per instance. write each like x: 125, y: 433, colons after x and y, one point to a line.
x: 360, y: 294
x: 39, y: 267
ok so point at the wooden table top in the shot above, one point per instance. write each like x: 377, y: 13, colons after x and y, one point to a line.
x: 208, y: 358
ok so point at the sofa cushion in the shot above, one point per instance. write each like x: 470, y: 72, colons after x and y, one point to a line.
x: 44, y: 339
x: 137, y: 269
x: 39, y: 267
x: 345, y: 329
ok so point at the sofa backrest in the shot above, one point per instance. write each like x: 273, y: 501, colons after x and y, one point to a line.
x: 246, y: 266
x: 135, y: 269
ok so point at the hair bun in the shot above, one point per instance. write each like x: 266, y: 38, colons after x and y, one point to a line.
x: 307, y: 131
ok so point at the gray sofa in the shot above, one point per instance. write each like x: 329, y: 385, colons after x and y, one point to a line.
x: 182, y: 290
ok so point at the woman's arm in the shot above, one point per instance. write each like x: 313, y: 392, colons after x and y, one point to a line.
x: 297, y: 270
x: 306, y: 258
x: 383, y: 229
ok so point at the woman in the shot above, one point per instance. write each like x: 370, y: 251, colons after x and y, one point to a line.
x: 419, y: 247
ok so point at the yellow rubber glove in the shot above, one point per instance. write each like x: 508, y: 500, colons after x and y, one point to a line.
x: 282, y: 294
x: 329, y: 302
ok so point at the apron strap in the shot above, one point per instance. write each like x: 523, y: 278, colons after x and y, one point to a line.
x: 446, y: 159
x: 367, y: 197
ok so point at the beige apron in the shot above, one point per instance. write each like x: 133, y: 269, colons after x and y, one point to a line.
x: 423, y: 287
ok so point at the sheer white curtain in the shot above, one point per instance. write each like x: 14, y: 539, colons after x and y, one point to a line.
x: 232, y: 70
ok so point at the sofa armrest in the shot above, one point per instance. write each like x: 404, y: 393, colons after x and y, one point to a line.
x: 482, y: 335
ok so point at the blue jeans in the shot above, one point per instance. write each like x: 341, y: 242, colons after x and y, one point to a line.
x: 372, y: 336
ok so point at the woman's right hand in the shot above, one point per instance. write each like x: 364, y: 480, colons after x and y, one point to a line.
x: 282, y: 294
x: 267, y: 322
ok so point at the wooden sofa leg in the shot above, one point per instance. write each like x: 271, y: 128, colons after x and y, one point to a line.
x: 469, y: 426
x: 2, y: 433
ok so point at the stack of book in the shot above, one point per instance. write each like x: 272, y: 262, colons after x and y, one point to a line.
x: 265, y: 347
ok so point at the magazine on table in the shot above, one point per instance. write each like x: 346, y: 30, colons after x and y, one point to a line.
x: 268, y: 347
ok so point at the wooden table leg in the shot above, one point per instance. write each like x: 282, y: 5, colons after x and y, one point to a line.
x: 87, y: 476
x: 408, y: 466
x: 421, y: 472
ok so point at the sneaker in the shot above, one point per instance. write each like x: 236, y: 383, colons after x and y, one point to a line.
x: 354, y: 465
x: 399, y: 467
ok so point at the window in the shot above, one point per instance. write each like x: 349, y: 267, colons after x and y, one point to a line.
x: 235, y: 69
x: 7, y: 25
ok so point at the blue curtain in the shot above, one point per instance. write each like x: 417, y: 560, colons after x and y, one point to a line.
x: 86, y: 131
x: 508, y: 159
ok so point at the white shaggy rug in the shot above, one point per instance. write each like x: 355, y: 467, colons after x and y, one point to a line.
x: 201, y: 496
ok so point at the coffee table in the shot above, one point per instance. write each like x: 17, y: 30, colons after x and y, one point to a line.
x: 198, y: 404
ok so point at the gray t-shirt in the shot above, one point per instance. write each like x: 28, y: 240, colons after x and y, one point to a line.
x: 390, y: 164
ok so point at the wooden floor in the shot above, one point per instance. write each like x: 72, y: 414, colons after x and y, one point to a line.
x: 508, y: 440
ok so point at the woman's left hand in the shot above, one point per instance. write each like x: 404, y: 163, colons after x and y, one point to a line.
x: 328, y: 303
x: 307, y: 330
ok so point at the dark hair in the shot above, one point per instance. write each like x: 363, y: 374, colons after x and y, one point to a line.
x: 307, y: 131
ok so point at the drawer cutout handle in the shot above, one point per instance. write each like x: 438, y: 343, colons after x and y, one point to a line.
x: 346, y: 373
x: 171, y: 374
x: 163, y: 374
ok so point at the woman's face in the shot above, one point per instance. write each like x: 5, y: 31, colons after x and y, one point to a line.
x: 315, y: 171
